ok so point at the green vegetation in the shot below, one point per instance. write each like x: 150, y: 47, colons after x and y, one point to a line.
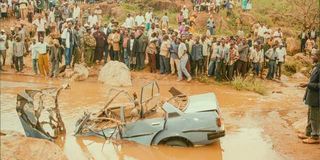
x: 250, y: 84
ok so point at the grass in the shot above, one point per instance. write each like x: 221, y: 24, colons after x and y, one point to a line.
x: 249, y: 84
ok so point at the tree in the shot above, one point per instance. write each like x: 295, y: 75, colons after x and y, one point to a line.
x: 306, y: 12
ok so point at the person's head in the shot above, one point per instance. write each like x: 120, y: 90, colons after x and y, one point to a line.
x: 128, y: 15
x: 197, y: 39
x: 69, y: 25
x: 165, y: 37
x: 34, y: 41
x: 41, y: 39
x: 178, y: 41
x: 165, y: 13
x: 2, y: 32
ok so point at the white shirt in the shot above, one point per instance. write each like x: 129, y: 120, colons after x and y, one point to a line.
x: 148, y: 17
x: 66, y: 35
x: 165, y: 19
x: 3, y: 43
x: 129, y: 23
x: 92, y: 20
x: 182, y: 49
x: 40, y: 24
x: 76, y: 12
x: 33, y: 50
x: 261, y: 31
x: 281, y: 53
x: 139, y: 20
x: 41, y: 47
x: 131, y: 44
x: 185, y: 13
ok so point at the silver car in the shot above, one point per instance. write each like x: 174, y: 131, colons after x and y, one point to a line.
x: 199, y: 122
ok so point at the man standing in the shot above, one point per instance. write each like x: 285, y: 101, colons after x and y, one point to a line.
x: 43, y: 57
x: 303, y: 39
x: 242, y: 63
x: 183, y: 56
x: 3, y: 48
x: 281, y: 54
x: 40, y: 25
x: 100, y: 44
x: 89, y: 45
x: 185, y: 13
x: 165, y: 21
x: 68, y: 43
x: 271, y: 54
x: 311, y: 99
x: 139, y: 48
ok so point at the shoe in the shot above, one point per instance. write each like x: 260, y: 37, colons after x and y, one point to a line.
x: 189, y: 79
x: 178, y: 80
x: 311, y: 140
x: 302, y: 136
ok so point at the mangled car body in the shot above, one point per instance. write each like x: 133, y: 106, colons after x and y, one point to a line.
x: 39, y: 113
x: 198, y: 122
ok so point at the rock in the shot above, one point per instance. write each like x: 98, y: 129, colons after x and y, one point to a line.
x: 299, y: 76
x: 68, y: 73
x: 16, y: 146
x: 302, y: 58
x: 284, y: 78
x: 115, y: 73
x: 80, y: 72
x: 293, y: 45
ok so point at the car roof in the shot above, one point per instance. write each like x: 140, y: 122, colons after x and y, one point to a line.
x: 201, y: 102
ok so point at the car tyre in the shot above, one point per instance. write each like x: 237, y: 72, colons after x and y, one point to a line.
x: 177, y: 143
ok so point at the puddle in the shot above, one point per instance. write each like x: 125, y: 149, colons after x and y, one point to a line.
x: 248, y: 144
x: 238, y: 144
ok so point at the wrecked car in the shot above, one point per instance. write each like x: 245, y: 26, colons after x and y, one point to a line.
x: 197, y: 123
x: 39, y: 113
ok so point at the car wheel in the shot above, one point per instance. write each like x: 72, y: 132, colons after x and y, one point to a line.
x: 177, y: 143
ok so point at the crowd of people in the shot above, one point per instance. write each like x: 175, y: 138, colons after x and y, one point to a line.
x: 65, y: 34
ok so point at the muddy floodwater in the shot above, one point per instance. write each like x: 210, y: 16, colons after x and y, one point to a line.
x: 246, y: 117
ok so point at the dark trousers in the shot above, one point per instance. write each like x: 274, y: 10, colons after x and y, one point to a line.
x: 230, y: 72
x: 303, y: 45
x: 164, y: 65
x: 313, y: 123
x: 152, y: 62
x: 271, y: 69
x: 19, y: 63
x: 242, y: 68
x: 106, y: 52
x: 197, y: 67
x: 140, y: 60
x: 278, y: 70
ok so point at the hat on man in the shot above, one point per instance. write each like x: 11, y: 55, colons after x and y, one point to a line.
x: 2, y: 31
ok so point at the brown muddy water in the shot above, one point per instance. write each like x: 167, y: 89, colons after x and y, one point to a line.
x: 244, y: 139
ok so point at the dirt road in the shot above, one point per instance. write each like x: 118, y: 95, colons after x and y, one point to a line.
x: 257, y: 127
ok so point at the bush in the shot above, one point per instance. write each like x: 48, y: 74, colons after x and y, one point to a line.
x: 250, y: 84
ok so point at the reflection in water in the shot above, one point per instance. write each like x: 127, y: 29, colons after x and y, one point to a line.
x: 248, y: 144
x: 124, y: 150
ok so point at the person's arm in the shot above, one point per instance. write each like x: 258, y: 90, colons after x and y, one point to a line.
x: 315, y: 85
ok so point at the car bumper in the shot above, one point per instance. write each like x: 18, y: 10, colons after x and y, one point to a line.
x: 215, y: 135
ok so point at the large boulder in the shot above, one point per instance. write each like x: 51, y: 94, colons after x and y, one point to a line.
x: 80, y: 72
x: 16, y: 146
x: 293, y: 45
x: 115, y: 73
x: 299, y: 76
x: 302, y: 58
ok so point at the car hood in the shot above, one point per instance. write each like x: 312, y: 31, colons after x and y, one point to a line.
x: 202, y: 102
